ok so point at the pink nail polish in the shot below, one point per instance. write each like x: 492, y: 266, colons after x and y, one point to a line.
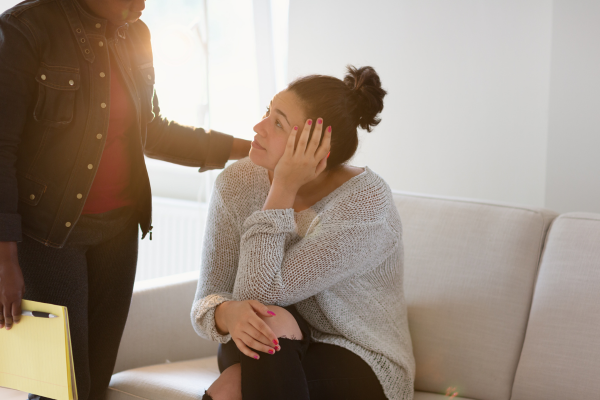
x: 271, y: 351
x: 271, y: 313
x: 275, y: 342
x: 295, y: 128
x: 329, y: 129
x: 278, y: 348
x: 309, y: 122
x: 256, y: 357
x: 319, y: 121
x: 328, y: 154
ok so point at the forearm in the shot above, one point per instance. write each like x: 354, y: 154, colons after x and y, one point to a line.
x: 280, y: 197
x: 185, y: 145
x: 262, y: 251
x: 239, y: 149
x: 8, y: 253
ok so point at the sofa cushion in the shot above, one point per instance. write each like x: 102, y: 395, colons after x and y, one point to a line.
x: 469, y: 275
x: 183, y: 380
x: 435, y: 396
x: 561, y: 353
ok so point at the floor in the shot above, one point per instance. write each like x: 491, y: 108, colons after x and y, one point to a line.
x: 9, y: 394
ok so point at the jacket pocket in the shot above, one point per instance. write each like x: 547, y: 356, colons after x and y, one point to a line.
x: 56, y: 96
x: 146, y: 73
x: 30, y: 189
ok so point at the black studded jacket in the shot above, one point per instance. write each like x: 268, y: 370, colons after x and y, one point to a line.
x: 54, y: 113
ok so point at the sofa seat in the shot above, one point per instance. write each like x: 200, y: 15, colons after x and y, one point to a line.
x: 183, y: 380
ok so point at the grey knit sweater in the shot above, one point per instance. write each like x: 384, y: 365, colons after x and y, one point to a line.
x: 340, y: 262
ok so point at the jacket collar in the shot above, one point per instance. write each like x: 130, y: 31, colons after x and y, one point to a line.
x: 83, y: 23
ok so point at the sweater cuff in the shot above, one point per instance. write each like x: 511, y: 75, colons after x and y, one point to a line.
x: 271, y: 221
x: 203, y: 317
x: 10, y: 228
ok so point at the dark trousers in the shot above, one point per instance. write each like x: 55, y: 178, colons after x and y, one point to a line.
x: 303, y: 370
x: 93, y: 276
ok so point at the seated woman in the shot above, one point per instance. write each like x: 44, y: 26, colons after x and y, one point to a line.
x: 302, y: 267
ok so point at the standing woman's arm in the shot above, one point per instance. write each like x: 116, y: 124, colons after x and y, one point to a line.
x: 185, y: 145
x: 18, y: 67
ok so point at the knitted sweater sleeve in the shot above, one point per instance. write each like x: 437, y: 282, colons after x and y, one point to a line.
x: 220, y: 256
x: 332, y: 251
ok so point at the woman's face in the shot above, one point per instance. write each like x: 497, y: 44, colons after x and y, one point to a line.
x: 284, y: 112
x: 117, y: 12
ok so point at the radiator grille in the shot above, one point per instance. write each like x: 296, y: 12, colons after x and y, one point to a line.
x: 176, y: 242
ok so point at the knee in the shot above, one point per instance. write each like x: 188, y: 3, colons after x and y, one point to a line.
x: 228, y: 385
x: 283, y: 324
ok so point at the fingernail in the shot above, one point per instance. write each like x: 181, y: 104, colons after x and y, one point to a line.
x: 329, y: 129
x: 275, y: 342
x: 278, y: 348
x: 256, y: 357
x: 271, y: 352
x: 271, y: 313
x: 319, y: 121
x: 309, y: 122
x: 295, y: 128
x: 328, y: 154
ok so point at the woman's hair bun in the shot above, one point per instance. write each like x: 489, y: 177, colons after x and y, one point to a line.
x: 366, y: 89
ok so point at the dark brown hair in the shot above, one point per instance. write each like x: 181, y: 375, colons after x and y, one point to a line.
x: 345, y: 105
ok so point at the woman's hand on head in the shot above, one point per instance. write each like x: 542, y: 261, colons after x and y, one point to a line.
x: 303, y: 162
x: 247, y: 329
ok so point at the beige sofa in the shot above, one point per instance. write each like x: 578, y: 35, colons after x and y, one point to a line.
x: 504, y: 303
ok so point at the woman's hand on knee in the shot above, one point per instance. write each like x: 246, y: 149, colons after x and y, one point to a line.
x: 250, y: 333
x: 284, y: 325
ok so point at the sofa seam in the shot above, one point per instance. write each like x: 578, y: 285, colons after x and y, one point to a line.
x: 543, y: 244
x: 129, y: 394
x: 579, y: 218
x: 480, y: 202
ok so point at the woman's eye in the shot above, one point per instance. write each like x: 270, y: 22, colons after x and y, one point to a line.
x: 278, y: 124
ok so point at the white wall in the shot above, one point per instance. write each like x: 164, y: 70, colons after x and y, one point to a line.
x: 573, y: 171
x: 468, y: 85
x: 6, y: 4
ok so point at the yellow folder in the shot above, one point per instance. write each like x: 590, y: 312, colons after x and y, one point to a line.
x: 36, y: 355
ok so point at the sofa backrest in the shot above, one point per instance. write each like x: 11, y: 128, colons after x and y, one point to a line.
x: 561, y: 353
x: 470, y: 270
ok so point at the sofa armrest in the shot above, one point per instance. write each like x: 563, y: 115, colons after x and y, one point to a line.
x: 158, y: 328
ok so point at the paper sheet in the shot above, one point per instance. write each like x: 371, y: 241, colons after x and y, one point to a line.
x: 34, y: 354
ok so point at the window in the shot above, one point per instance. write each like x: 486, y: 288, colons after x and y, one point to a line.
x: 217, y: 64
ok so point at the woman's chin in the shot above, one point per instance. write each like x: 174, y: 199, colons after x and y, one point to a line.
x: 255, y: 157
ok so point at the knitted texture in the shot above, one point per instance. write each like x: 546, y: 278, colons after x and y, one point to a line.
x: 340, y: 262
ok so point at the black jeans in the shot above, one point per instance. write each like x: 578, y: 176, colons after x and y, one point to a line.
x: 93, y: 277
x: 303, y: 370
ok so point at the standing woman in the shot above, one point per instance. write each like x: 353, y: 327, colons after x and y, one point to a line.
x: 78, y: 112
x: 302, y: 267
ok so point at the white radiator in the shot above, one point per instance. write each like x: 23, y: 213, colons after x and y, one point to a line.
x: 176, y: 242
